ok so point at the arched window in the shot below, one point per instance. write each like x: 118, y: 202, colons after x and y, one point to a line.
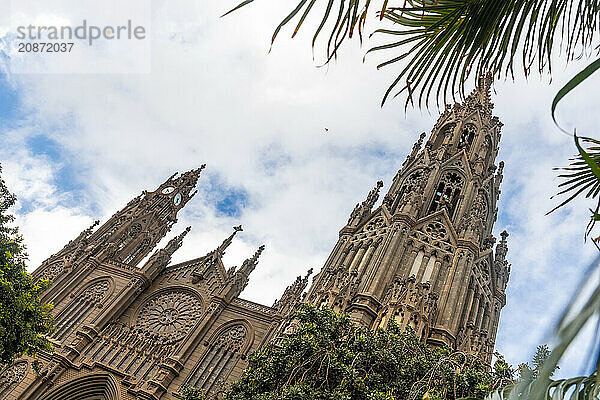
x: 446, y: 131
x: 52, y: 270
x: 415, y: 181
x: 219, y: 359
x: 447, y: 192
x: 79, y: 308
x: 11, y: 377
x: 466, y: 137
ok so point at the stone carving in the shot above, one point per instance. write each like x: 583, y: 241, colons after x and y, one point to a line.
x: 366, y: 275
x: 12, y: 375
x: 170, y: 315
x: 52, y: 271
x: 232, y: 339
x: 96, y: 292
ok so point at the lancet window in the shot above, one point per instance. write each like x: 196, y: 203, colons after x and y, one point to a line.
x: 219, y: 359
x: 466, y: 137
x: 447, y: 192
x: 80, y: 307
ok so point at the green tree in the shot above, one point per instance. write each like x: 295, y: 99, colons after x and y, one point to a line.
x: 328, y: 357
x: 24, y: 319
x: 530, y: 372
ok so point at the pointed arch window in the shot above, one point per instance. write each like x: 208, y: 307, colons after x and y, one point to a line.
x: 219, y: 359
x: 466, y: 137
x: 446, y: 131
x: 413, y: 182
x: 79, y: 308
x: 447, y: 193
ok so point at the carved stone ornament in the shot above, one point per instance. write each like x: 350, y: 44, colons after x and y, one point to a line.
x: 13, y: 374
x: 96, y: 293
x: 52, y: 271
x: 170, y: 315
x: 233, y: 339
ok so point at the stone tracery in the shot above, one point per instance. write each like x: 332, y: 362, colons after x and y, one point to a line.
x: 169, y: 315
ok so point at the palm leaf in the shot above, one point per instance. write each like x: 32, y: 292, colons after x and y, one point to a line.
x: 571, y: 389
x: 582, y: 175
x: 570, y: 324
x: 464, y: 38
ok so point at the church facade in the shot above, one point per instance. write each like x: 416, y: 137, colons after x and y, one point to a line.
x: 425, y: 257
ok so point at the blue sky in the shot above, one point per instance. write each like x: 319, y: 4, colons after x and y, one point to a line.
x: 77, y: 147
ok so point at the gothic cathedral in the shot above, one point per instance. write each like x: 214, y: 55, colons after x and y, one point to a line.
x: 425, y: 257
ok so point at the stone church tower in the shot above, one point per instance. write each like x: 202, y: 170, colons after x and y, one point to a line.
x: 131, y: 326
x: 424, y: 257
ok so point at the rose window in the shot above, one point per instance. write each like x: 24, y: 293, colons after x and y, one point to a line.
x: 170, y: 315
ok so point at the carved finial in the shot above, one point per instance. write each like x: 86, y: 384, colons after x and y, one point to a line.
x: 372, y: 196
x: 221, y: 249
x: 177, y: 241
x: 162, y: 257
x: 502, y: 247
x: 250, y: 263
x: 485, y: 82
x: 240, y: 277
x: 417, y: 146
x: 499, y: 174
x: 292, y: 294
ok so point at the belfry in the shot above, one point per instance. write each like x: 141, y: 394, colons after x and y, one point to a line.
x: 131, y: 325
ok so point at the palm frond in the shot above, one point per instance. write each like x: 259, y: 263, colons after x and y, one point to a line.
x: 582, y: 175
x: 448, y: 41
x: 583, y: 307
x: 566, y: 389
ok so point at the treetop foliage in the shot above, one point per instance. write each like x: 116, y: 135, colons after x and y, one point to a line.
x: 328, y: 357
x: 24, y: 319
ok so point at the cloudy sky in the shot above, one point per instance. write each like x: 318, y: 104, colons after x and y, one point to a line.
x: 76, y: 147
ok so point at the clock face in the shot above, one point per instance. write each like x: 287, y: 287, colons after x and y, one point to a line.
x: 168, y: 190
x: 177, y: 199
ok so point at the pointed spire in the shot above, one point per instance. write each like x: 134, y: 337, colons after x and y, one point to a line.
x: 292, y: 294
x: 221, y: 249
x: 480, y: 96
x: 373, y: 196
x: 240, y: 277
x: 250, y: 263
x: 499, y: 174
x: 363, y: 209
x: 175, y: 243
x: 417, y: 145
x: 501, y: 265
x: 162, y: 257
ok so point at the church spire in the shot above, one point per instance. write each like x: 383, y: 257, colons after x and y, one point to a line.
x: 363, y: 209
x: 431, y: 238
x: 162, y: 257
x: 241, y: 277
x: 292, y: 295
x: 223, y: 246
x: 131, y: 233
